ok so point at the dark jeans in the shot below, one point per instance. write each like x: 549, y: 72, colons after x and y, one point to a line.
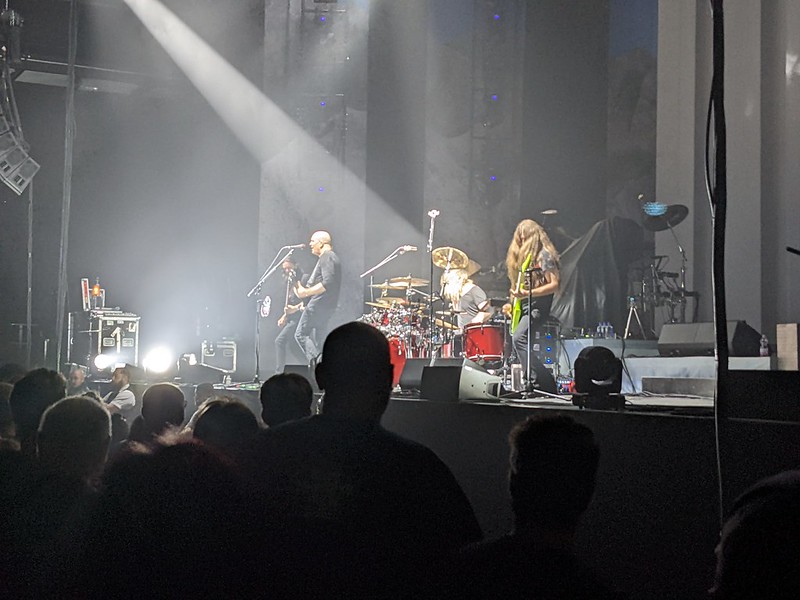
x: 529, y: 325
x: 312, y: 329
x: 282, y: 340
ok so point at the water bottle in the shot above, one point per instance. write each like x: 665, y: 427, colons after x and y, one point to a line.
x: 764, y: 346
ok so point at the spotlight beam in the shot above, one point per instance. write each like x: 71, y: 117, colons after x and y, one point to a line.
x: 250, y: 115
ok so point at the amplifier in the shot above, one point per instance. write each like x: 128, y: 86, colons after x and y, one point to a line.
x: 219, y: 355
x: 697, y: 339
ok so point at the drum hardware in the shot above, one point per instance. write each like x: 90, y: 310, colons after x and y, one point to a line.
x: 633, y: 312
x: 445, y: 324
x: 448, y: 313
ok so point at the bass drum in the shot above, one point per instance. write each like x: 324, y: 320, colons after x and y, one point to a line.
x: 483, y: 341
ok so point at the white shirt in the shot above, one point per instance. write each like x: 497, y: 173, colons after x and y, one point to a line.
x: 124, y: 399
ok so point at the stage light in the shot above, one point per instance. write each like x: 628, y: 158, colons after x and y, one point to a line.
x: 598, y: 379
x: 104, y: 361
x: 159, y: 360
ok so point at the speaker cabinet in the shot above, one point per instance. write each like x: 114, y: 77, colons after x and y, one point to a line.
x: 411, y: 377
x: 697, y: 339
x: 463, y: 382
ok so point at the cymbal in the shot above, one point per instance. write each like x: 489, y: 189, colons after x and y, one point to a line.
x: 447, y: 257
x: 673, y: 215
x: 444, y: 324
x: 388, y: 286
x: 405, y: 282
x: 388, y: 302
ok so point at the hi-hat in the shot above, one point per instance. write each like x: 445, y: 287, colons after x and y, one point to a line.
x: 409, y: 281
x: 447, y: 257
x: 671, y: 217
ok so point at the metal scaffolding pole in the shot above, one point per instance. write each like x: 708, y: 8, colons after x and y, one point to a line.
x: 69, y: 136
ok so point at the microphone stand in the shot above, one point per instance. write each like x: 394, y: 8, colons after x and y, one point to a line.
x: 682, y: 313
x: 394, y: 254
x: 431, y: 320
x: 273, y: 266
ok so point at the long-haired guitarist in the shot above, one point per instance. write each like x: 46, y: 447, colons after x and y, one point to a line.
x: 533, y: 259
x: 292, y: 308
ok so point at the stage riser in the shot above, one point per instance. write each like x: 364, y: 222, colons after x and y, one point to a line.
x: 652, y: 526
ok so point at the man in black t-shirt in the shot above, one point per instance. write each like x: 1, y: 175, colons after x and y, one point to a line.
x: 322, y: 292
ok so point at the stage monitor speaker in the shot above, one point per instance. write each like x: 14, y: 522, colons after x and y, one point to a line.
x: 411, y: 376
x: 306, y: 372
x: 464, y: 382
x: 697, y: 339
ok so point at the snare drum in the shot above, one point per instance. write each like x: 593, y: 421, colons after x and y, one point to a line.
x: 483, y: 341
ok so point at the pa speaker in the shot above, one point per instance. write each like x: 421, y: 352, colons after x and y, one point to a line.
x: 411, y: 377
x: 697, y: 339
x: 466, y: 381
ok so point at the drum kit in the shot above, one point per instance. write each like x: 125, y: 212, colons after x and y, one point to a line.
x: 402, y: 313
x: 661, y: 288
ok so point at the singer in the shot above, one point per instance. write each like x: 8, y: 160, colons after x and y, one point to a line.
x: 322, y: 294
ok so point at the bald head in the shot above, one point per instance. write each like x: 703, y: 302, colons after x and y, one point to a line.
x: 320, y: 242
x: 355, y: 372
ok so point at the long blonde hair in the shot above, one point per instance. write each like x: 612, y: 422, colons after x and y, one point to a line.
x: 530, y: 238
x: 453, y: 281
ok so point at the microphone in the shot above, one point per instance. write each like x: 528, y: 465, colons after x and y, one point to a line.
x: 295, y: 247
x: 549, y: 212
x: 408, y: 248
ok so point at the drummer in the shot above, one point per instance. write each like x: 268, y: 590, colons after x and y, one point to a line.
x: 468, y: 300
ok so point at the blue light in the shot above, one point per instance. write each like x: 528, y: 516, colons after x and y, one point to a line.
x: 323, y: 18
x: 493, y: 178
x: 323, y: 103
x: 322, y: 189
x: 548, y: 360
x: 549, y: 349
x: 496, y: 17
x: 654, y: 209
x: 494, y: 97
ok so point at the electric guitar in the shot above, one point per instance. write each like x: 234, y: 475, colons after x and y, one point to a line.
x: 289, y: 309
x: 538, y: 279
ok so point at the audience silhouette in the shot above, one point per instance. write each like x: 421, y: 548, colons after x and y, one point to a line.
x: 365, y: 507
x: 31, y: 395
x: 225, y: 424
x: 758, y: 556
x: 285, y: 397
x: 553, y: 465
x: 163, y: 406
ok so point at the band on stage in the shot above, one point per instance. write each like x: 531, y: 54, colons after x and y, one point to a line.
x: 458, y: 320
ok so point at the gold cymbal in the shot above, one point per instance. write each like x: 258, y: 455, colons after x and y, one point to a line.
x: 388, y: 302
x: 447, y: 257
x: 406, y: 282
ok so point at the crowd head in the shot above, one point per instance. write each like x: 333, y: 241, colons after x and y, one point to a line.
x: 355, y: 372
x: 552, y: 472
x: 285, y: 397
x: 31, y: 396
x: 73, y: 437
